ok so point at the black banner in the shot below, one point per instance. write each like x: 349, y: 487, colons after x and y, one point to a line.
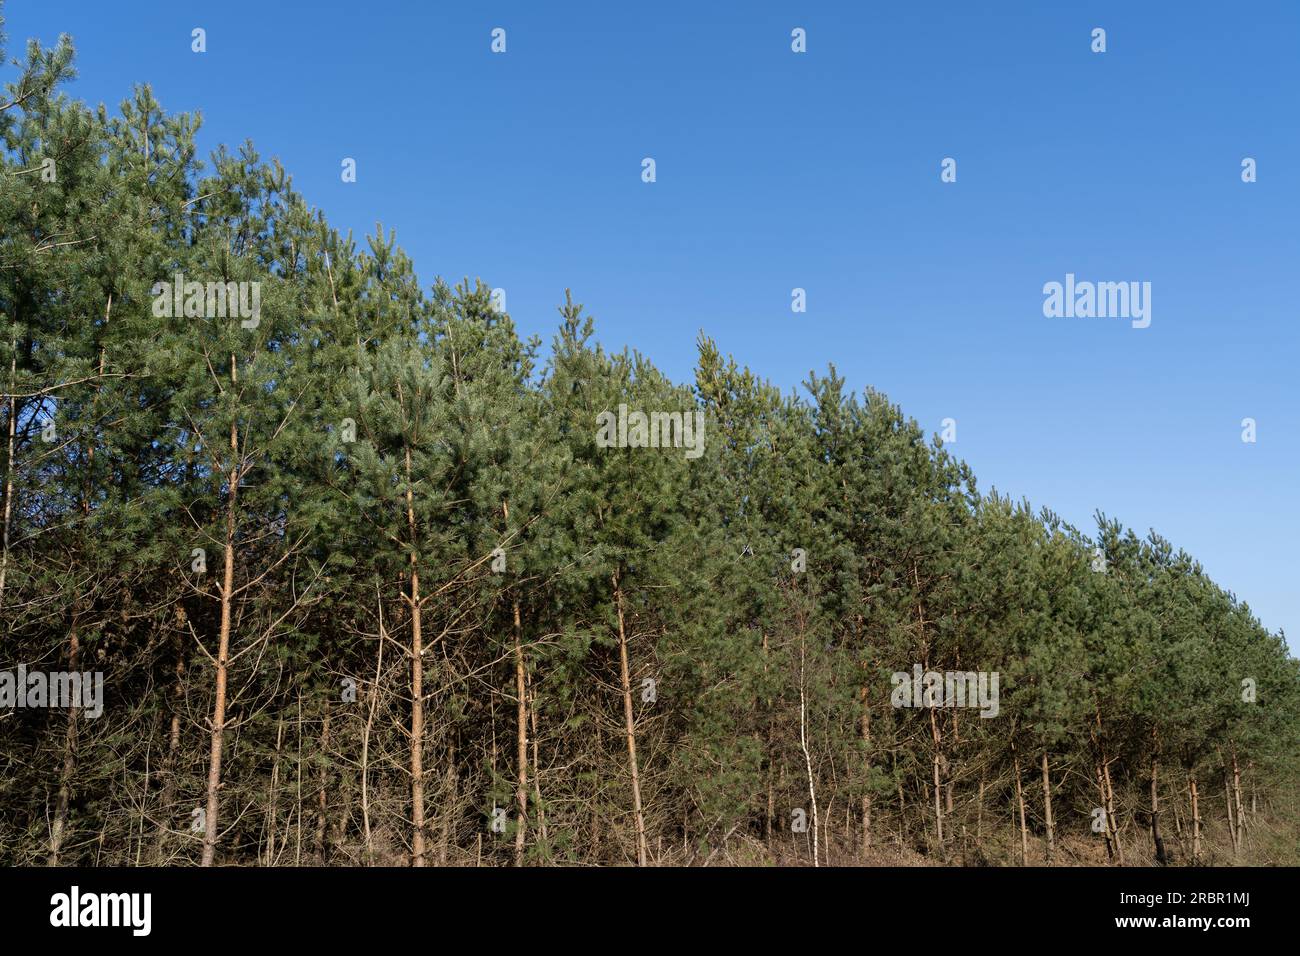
x: 621, y: 906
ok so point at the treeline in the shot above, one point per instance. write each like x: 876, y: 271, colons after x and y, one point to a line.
x: 364, y: 587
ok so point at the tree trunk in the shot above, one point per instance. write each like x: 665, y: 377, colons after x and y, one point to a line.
x: 1112, y: 819
x: 1196, y: 820
x: 768, y: 751
x: 803, y: 742
x: 1020, y: 802
x: 58, y: 828
x: 1105, y: 813
x: 593, y: 801
x: 1236, y: 790
x: 1047, y: 809
x: 936, y: 757
x: 218, y: 730
x: 902, y: 803
x: 866, y: 779
x: 417, y: 683
x: 1156, y: 840
x: 537, y: 766
x: 11, y: 429
x: 322, y: 795
x: 1227, y: 803
x: 625, y: 679
x: 372, y: 702
x: 452, y: 788
x: 273, y: 794
x: 1107, y: 791
x: 521, y: 740
x: 173, y: 755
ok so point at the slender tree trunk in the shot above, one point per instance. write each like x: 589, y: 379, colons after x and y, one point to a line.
x: 935, y: 759
x: 452, y: 788
x: 372, y: 702
x: 217, y: 738
x: 1020, y: 802
x: 537, y: 767
x: 11, y: 429
x: 936, y: 739
x: 593, y: 800
x: 1156, y: 840
x: 1196, y: 820
x: 769, y: 750
x: 866, y: 777
x: 417, y: 682
x: 902, y: 804
x: 1107, y: 791
x: 803, y: 742
x: 273, y: 794
x: 521, y: 723
x: 1240, y: 808
x: 1227, y: 803
x: 1105, y: 812
x: 625, y: 679
x: 322, y: 795
x: 1112, y: 819
x: 58, y: 828
x: 173, y: 756
x: 1047, y: 809
x: 297, y: 816
x: 521, y: 740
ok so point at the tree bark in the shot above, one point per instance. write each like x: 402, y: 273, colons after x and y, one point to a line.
x: 1105, y: 812
x: 1020, y: 802
x: 1112, y: 819
x: 371, y: 703
x: 417, y: 681
x: 273, y: 794
x: 866, y: 769
x: 537, y: 766
x: 218, y: 729
x: 1156, y: 839
x: 173, y: 755
x: 769, y: 749
x: 322, y: 794
x: 521, y: 740
x: 1240, y: 808
x: 58, y: 828
x: 625, y: 679
x: 1047, y: 809
x: 935, y: 758
x: 11, y: 429
x: 803, y: 742
x: 1227, y: 803
x: 1196, y: 820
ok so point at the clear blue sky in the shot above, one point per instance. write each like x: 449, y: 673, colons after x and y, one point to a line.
x: 821, y: 171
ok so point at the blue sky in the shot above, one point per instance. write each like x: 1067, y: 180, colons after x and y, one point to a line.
x: 778, y: 170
